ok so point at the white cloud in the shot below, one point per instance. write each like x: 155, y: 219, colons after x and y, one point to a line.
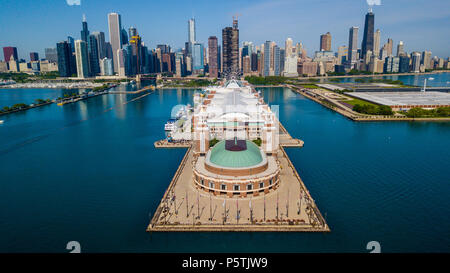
x: 73, y: 2
x: 373, y: 2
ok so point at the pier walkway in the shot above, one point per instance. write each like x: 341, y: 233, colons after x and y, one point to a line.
x: 289, y: 208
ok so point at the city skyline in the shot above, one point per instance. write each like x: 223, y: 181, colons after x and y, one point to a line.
x: 173, y: 32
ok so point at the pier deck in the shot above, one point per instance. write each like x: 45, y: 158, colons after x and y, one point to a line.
x: 289, y: 208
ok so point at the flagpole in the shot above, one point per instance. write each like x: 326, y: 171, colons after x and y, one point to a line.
x: 264, y: 207
x: 187, y: 205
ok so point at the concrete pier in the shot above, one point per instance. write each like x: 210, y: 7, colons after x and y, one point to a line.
x: 289, y: 208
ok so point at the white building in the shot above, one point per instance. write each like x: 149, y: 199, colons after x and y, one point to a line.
x: 290, y: 66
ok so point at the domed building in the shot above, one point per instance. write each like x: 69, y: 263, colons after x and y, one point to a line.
x: 236, y: 116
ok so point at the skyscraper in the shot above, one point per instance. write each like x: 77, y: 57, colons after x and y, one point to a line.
x: 71, y: 42
x: 94, y: 61
x: 197, y: 57
x: 64, y: 59
x: 400, y: 49
x: 267, y: 58
x: 415, y: 63
x: 276, y: 61
x: 34, y: 56
x: 9, y: 51
x: 230, y: 47
x: 426, y: 59
x: 376, y: 43
x: 367, y: 42
x: 81, y: 53
x: 101, y: 45
x: 124, y: 36
x: 121, y: 58
x: 213, y: 57
x: 191, y: 31
x: 51, y: 55
x: 115, y: 37
x: 288, y: 47
x: 352, y: 44
x: 132, y: 31
x: 84, y: 31
x: 325, y: 42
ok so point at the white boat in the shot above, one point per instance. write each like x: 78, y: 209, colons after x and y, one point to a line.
x: 1, y: 121
x: 170, y: 125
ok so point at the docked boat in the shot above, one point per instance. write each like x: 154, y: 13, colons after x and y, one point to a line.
x: 170, y: 125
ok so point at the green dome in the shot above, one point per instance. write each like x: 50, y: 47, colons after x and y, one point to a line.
x: 235, y: 159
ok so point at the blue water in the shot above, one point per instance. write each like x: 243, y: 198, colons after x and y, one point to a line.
x: 89, y: 173
x: 9, y: 97
x: 439, y: 79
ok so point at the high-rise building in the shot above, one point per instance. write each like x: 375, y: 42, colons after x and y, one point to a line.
x: 71, y: 42
x: 94, y: 62
x: 106, y: 67
x: 115, y: 37
x: 404, y: 64
x: 415, y: 62
x: 191, y: 31
x: 191, y: 36
x: 367, y: 42
x: 84, y: 31
x: 124, y: 36
x: 121, y: 57
x: 352, y: 45
x: 426, y: 59
x: 389, y: 46
x: 197, y: 57
x: 34, y: 56
x: 65, y: 59
x: 254, y: 61
x: 81, y: 53
x: 9, y: 51
x: 325, y: 42
x: 376, y: 43
x: 136, y: 53
x: 230, y: 48
x: 132, y: 31
x: 342, y: 54
x: 290, y: 66
x: 391, y: 64
x: 213, y: 57
x: 267, y: 58
x: 101, y: 45
x: 51, y: 55
x: 288, y: 47
x: 276, y: 61
x: 400, y: 49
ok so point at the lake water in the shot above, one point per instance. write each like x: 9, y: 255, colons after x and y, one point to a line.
x: 438, y: 79
x: 88, y: 172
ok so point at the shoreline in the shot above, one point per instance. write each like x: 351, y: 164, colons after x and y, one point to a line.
x: 358, y: 117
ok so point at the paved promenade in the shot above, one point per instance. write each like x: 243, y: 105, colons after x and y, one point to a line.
x: 289, y: 208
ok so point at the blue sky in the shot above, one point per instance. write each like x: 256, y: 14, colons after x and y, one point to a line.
x: 32, y: 25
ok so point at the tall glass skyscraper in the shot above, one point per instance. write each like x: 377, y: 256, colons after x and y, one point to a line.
x: 64, y: 59
x: 94, y: 65
x: 197, y: 56
x: 84, y: 31
x: 367, y: 42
